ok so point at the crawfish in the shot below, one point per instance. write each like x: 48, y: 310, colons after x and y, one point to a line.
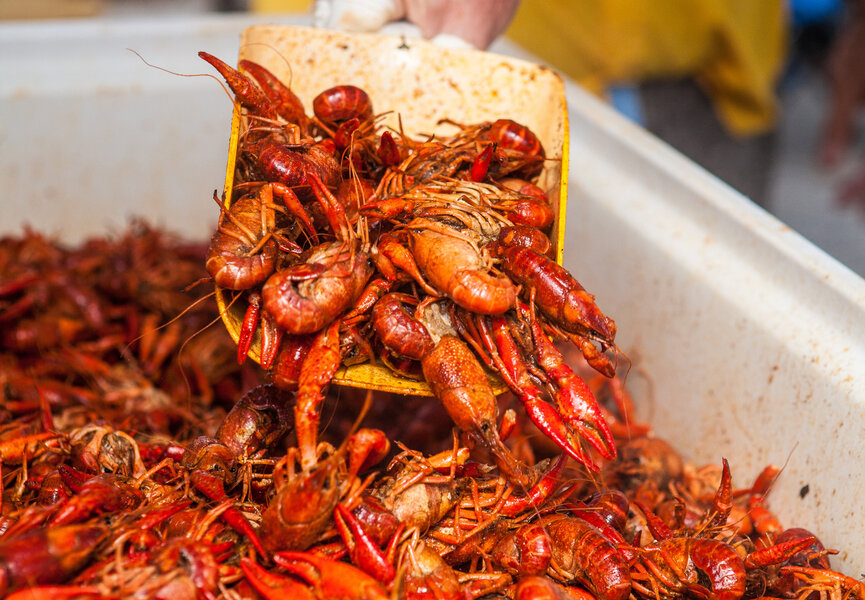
x: 330, y: 280
x: 257, y: 421
x: 341, y: 103
x: 517, y: 150
x: 812, y: 557
x: 524, y: 551
x: 414, y: 494
x: 103, y: 448
x: 676, y: 565
x: 242, y: 252
x: 276, y: 161
x: 181, y: 568
x: 293, y: 350
x: 398, y: 330
x: 540, y: 588
x: 580, y: 553
x: 428, y: 162
x: 460, y: 384
x: 303, y: 506
x: 245, y: 91
x: 522, y: 141
x: 525, y: 236
x: 316, y: 372
x: 645, y: 460
x: 305, y: 500
x: 294, y: 165
x: 327, y: 578
x: 453, y: 265
x: 515, y: 136
x: 285, y: 103
x: 99, y: 494
x: 574, y: 410
x: 307, y: 298
x: 558, y: 295
x: 427, y: 574
x: 47, y: 555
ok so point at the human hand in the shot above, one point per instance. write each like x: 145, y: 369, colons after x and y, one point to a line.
x: 846, y: 72
x: 475, y: 22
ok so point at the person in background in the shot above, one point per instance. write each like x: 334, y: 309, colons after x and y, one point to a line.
x: 700, y: 74
x: 846, y: 78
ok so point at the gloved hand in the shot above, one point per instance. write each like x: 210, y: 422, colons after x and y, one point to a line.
x: 448, y: 22
x: 357, y: 15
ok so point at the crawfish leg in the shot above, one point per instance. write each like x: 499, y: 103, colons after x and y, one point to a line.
x: 212, y: 487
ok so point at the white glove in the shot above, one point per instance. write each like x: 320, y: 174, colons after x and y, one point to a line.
x: 357, y: 15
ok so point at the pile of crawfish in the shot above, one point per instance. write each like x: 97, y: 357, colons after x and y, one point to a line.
x: 348, y: 242
x: 141, y: 455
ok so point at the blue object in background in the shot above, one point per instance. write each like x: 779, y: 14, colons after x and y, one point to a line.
x: 812, y: 11
x: 626, y: 100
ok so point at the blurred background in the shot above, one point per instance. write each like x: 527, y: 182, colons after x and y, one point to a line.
x: 765, y: 95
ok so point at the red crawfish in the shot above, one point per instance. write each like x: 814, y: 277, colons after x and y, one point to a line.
x: 814, y: 556
x: 682, y: 565
x: 558, y: 295
x: 517, y: 151
x: 315, y: 576
x: 542, y: 588
x: 342, y: 103
x: 461, y: 385
x: 500, y: 531
x: 309, y: 297
x: 451, y: 264
x: 398, y: 330
x: 47, y: 555
x: 278, y: 162
x: 94, y: 495
x: 305, y: 298
x: 427, y: 575
x: 306, y: 498
x: 525, y: 236
x: 284, y: 102
x: 515, y: 136
x: 573, y: 408
x: 581, y: 554
x: 242, y: 252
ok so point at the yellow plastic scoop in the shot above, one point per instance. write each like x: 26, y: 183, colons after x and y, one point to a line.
x: 420, y: 84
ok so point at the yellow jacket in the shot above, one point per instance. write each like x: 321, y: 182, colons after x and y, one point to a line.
x: 735, y: 49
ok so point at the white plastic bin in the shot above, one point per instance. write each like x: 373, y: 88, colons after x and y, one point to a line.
x: 752, y: 339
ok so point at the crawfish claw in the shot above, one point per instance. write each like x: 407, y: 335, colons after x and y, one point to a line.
x: 272, y: 586
x: 330, y: 578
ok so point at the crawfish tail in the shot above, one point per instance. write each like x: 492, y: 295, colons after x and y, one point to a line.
x: 557, y: 293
